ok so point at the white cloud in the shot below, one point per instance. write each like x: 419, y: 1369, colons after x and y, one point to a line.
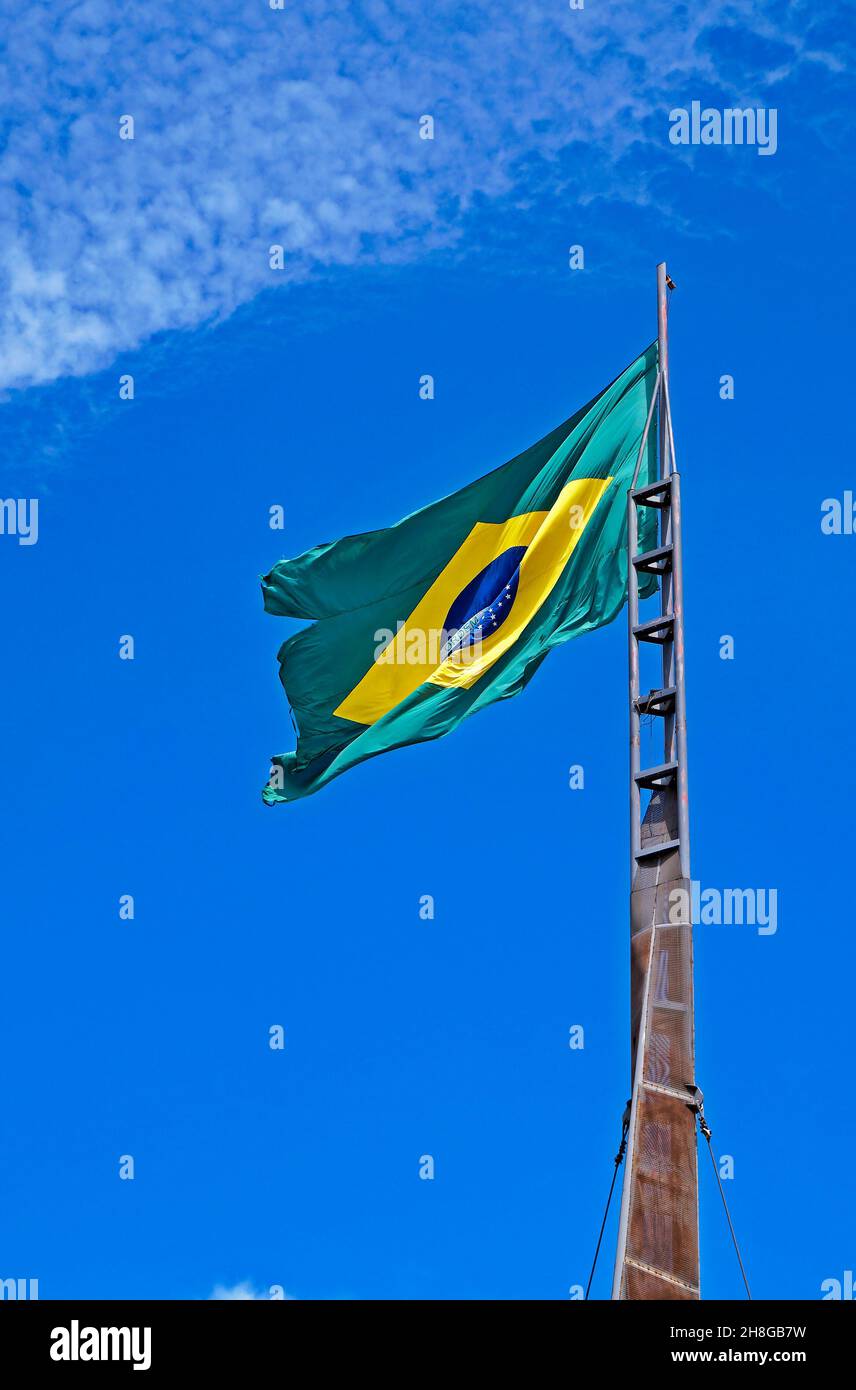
x: 242, y: 1293
x: 299, y: 127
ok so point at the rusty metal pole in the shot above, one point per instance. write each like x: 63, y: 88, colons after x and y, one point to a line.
x: 657, y: 1252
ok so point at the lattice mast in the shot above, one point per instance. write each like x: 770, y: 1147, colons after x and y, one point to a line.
x: 657, y: 1255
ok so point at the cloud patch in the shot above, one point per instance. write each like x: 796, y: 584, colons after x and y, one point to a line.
x: 256, y: 127
x: 245, y: 1293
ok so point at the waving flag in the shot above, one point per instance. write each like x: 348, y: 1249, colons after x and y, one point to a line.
x: 419, y: 625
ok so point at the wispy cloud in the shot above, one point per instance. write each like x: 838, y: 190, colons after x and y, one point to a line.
x: 242, y: 1293
x: 256, y: 127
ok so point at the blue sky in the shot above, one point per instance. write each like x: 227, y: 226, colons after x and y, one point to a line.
x: 150, y: 1038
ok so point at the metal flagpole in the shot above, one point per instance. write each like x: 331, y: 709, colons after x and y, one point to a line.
x: 657, y: 1253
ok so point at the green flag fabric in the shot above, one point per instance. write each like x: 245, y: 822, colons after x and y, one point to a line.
x: 417, y: 626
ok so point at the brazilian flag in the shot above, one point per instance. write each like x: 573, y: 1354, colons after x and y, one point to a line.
x: 417, y: 626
